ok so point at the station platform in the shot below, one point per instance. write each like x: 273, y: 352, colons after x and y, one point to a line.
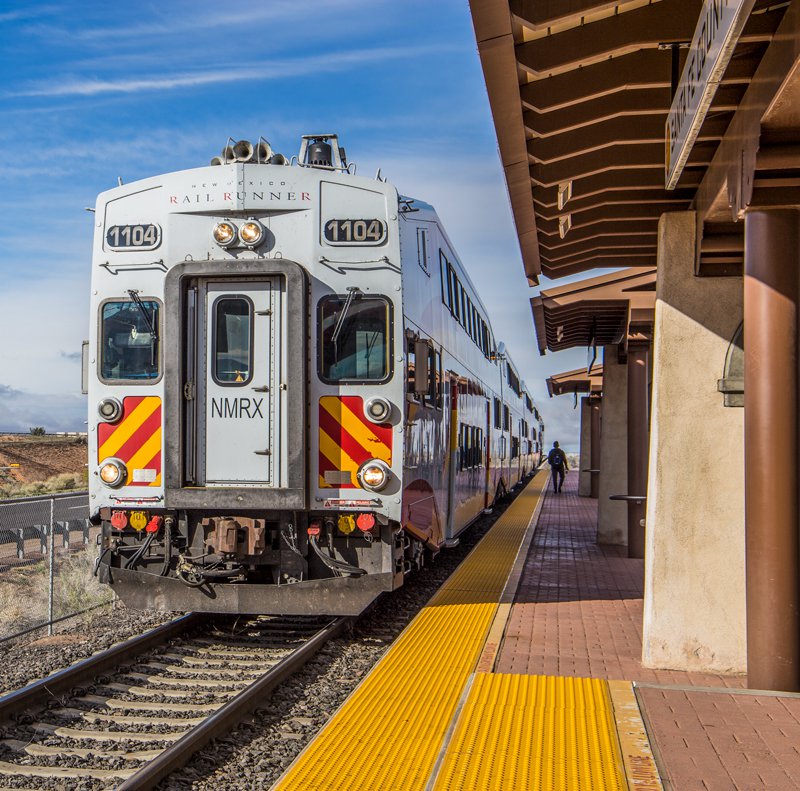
x: 524, y: 672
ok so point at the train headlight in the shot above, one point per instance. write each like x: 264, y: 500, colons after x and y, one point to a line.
x: 251, y: 233
x: 377, y: 409
x: 373, y: 474
x: 224, y: 233
x: 113, y: 472
x: 110, y: 410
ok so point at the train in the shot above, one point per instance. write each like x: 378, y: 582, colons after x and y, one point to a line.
x: 296, y: 397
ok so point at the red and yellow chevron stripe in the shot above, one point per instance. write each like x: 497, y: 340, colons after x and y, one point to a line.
x: 347, y: 439
x: 135, y: 439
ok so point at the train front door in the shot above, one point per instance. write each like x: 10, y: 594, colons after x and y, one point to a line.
x: 237, y: 376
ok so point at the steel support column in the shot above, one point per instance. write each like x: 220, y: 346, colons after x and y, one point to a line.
x: 638, y: 444
x: 772, y: 260
x: 594, y: 447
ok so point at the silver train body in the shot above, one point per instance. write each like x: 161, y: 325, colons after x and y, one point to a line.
x: 295, y: 393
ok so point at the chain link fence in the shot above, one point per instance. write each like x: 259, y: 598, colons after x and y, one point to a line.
x: 47, y: 555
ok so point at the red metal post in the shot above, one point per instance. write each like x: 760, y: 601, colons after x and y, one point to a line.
x: 772, y: 261
x: 638, y: 442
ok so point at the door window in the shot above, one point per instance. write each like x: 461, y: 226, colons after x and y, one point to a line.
x: 233, y: 341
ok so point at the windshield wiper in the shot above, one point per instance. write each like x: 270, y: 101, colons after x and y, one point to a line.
x: 139, y: 304
x: 351, y: 295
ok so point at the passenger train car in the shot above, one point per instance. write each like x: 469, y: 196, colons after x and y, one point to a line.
x: 295, y: 392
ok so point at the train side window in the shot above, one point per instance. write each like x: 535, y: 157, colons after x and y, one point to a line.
x: 422, y: 250
x: 453, y: 285
x: 232, y: 360
x: 411, y: 365
x: 444, y: 277
x: 355, y: 339
x: 433, y: 379
x: 439, y: 381
x: 129, y: 341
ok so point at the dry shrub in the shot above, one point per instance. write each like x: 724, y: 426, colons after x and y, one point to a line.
x: 64, y: 482
x: 23, y: 598
x: 24, y: 591
x: 76, y: 587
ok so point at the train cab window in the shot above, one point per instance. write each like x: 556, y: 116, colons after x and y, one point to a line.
x: 355, y: 338
x: 232, y: 360
x: 129, y: 332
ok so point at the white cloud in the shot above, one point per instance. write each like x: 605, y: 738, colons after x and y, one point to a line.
x: 31, y: 12
x: 44, y: 322
x: 21, y: 410
x: 269, y: 70
x: 179, y: 19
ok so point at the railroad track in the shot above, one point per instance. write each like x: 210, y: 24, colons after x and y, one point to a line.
x: 129, y: 716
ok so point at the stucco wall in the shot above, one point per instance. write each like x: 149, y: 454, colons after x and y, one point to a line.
x: 694, y: 606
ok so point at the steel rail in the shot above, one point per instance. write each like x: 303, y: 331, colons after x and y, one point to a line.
x: 225, y: 718
x: 44, y: 689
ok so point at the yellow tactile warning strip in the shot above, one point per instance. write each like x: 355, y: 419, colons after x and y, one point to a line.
x: 534, y: 733
x: 640, y: 765
x: 390, y: 731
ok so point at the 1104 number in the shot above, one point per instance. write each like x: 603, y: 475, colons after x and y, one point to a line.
x: 355, y: 231
x: 139, y: 237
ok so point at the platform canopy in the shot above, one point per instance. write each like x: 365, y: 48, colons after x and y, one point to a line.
x: 596, y: 312
x: 578, y: 381
x: 580, y: 92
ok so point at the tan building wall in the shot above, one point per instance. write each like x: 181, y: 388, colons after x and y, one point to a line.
x: 585, y: 478
x: 694, y: 605
x: 612, y: 516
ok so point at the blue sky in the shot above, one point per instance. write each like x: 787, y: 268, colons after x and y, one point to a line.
x: 92, y: 91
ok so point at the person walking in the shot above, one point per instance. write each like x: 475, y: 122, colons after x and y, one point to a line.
x: 557, y: 460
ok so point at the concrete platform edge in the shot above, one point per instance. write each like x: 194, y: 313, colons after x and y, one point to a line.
x: 641, y: 771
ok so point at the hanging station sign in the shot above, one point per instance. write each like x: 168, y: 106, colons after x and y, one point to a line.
x: 716, y: 34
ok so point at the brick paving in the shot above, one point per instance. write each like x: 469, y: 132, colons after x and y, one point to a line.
x: 578, y: 612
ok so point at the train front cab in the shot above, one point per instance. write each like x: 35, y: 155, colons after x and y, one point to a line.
x: 238, y: 420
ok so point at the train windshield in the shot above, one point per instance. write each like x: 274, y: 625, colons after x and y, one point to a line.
x: 129, y: 344
x: 355, y: 339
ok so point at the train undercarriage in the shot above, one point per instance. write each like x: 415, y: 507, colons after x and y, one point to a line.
x: 270, y: 562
